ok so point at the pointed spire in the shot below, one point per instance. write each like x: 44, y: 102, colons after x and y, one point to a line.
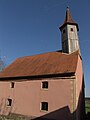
x: 68, y: 20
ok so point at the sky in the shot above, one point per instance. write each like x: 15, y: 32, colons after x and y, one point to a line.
x: 30, y: 27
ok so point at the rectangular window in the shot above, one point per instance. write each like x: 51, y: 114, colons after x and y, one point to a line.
x: 9, y: 102
x: 12, y: 84
x: 72, y: 29
x: 45, y: 84
x: 44, y: 106
x: 64, y: 31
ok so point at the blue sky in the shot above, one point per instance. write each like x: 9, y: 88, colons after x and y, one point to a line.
x: 29, y: 27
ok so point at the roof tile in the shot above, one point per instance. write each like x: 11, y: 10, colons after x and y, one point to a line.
x: 42, y: 64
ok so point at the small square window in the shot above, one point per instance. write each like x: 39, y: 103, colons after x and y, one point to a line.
x: 71, y: 29
x: 12, y: 84
x: 64, y: 31
x: 9, y: 102
x: 45, y: 84
x: 44, y: 106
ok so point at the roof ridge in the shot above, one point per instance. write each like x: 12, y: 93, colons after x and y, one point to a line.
x: 59, y: 51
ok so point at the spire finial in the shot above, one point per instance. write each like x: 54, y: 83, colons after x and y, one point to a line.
x: 67, y: 7
x: 67, y: 3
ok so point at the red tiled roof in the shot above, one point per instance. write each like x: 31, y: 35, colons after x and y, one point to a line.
x: 68, y: 19
x: 42, y: 64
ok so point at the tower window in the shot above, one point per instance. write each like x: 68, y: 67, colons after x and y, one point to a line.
x: 44, y: 106
x: 45, y: 84
x: 71, y: 29
x: 12, y: 84
x: 64, y: 31
x: 9, y: 102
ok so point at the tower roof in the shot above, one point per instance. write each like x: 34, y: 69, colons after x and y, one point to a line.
x: 68, y: 17
x: 68, y: 20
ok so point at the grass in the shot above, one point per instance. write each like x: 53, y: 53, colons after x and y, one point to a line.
x: 13, y: 117
x: 87, y: 106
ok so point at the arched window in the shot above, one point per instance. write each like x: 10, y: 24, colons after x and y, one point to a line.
x: 72, y: 29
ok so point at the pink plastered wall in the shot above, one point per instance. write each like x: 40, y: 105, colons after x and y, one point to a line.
x: 79, y: 90
x: 27, y: 95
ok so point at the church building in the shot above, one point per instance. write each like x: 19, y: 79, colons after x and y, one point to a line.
x: 48, y: 86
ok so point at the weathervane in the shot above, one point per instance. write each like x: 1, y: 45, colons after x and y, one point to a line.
x: 67, y: 3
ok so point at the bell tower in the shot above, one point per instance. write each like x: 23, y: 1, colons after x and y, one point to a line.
x: 69, y: 34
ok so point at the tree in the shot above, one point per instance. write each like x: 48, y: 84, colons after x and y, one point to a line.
x: 2, y: 64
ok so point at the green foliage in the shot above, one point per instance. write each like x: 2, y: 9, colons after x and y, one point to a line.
x: 11, y: 117
x: 87, y: 106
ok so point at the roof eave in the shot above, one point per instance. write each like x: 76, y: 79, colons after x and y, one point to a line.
x: 68, y: 74
x: 62, y: 26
